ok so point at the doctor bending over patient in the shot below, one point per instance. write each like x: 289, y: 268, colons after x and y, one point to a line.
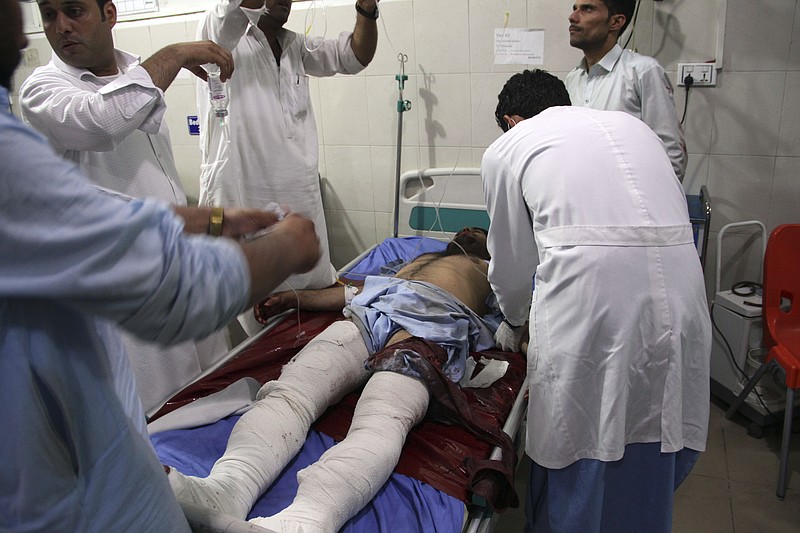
x: 104, y: 110
x: 620, y: 334
x: 437, y: 297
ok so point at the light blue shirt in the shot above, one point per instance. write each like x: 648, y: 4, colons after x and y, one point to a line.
x: 75, y: 262
x: 636, y: 84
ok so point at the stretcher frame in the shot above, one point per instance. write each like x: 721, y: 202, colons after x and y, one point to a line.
x: 434, y: 203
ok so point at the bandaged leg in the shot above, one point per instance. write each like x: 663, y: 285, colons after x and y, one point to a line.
x: 266, y: 438
x: 348, y: 476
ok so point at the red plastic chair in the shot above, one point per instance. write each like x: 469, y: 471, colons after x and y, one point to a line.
x: 781, y: 300
x: 782, y: 323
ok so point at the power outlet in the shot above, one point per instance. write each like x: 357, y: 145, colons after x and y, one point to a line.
x: 703, y: 74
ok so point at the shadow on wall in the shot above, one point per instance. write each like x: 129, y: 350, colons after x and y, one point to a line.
x: 672, y: 34
x: 341, y: 229
x: 433, y: 128
x: 742, y: 258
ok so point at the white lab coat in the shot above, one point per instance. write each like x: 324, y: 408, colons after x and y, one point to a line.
x: 273, y: 151
x: 619, y: 325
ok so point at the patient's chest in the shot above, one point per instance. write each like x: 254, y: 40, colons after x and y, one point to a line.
x: 463, y: 277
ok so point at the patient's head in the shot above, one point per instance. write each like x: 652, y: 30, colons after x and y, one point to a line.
x: 471, y: 241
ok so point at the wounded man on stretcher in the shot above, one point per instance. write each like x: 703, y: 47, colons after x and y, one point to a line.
x: 407, y: 337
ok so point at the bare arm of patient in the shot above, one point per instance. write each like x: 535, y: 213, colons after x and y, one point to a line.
x: 328, y: 299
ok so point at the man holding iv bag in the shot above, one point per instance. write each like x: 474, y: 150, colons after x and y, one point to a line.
x: 266, y: 149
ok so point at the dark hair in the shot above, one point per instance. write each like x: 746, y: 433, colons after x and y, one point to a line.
x: 464, y: 243
x: 100, y: 4
x: 529, y: 93
x: 621, y: 7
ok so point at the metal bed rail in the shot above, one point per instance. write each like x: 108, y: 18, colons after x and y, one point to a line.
x: 482, y: 520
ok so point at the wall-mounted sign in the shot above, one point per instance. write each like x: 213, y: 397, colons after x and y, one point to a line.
x: 518, y: 46
x: 194, y: 125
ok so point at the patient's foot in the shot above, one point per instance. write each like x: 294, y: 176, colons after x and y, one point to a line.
x: 214, y: 494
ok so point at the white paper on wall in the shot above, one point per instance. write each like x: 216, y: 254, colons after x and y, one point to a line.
x: 518, y: 46
x: 128, y: 7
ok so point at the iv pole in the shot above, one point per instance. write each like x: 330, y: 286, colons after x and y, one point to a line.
x: 402, y: 107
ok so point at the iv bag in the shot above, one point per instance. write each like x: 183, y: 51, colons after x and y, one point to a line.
x: 217, y: 91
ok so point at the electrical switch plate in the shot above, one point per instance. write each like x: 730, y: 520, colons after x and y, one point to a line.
x: 703, y: 74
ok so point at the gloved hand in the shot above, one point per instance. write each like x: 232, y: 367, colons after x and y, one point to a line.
x: 507, y: 337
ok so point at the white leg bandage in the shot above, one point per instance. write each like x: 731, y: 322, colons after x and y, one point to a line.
x: 348, y: 476
x: 267, y: 437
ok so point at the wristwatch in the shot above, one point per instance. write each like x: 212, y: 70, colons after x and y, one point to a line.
x: 215, y: 222
x: 366, y: 14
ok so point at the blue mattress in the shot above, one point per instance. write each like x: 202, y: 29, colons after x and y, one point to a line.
x: 403, y: 505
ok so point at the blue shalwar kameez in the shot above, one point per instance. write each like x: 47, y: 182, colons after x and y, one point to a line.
x: 76, y: 263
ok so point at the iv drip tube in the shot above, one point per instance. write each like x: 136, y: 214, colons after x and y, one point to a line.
x: 402, y: 107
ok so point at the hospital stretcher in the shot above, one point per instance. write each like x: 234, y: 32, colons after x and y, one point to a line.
x: 428, y: 490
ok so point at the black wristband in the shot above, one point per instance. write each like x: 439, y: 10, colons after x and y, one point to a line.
x: 512, y: 326
x: 366, y: 14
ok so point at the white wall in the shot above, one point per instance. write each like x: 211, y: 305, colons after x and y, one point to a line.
x: 743, y: 135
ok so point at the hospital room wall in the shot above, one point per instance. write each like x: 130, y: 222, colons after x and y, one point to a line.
x: 743, y: 135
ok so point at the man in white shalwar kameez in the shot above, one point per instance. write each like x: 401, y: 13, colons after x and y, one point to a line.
x: 587, y: 202
x: 273, y: 154
x: 104, y: 110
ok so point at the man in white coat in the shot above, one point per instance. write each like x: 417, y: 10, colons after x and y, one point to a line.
x: 104, y: 110
x: 268, y: 151
x: 587, y: 202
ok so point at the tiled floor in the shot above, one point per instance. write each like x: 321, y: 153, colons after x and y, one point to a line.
x: 730, y: 490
